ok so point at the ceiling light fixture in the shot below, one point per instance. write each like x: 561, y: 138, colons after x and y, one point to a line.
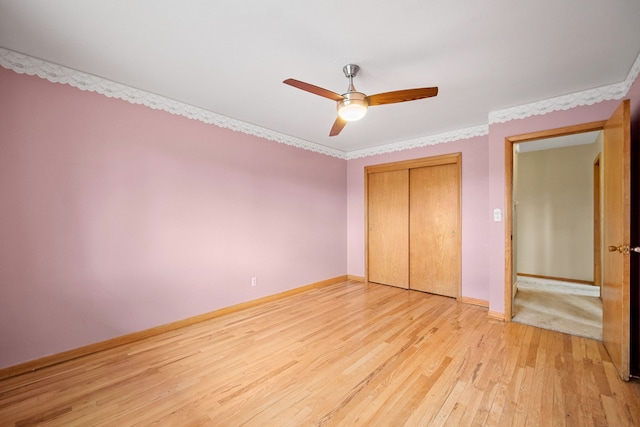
x: 353, y: 107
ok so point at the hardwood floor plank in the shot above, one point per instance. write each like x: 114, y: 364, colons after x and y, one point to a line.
x: 345, y: 354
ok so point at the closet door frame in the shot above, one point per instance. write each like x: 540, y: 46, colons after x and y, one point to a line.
x: 445, y: 159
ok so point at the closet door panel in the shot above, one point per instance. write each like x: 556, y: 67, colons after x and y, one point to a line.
x: 388, y: 228
x: 434, y: 243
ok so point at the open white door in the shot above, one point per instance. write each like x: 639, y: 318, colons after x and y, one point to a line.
x: 615, y: 267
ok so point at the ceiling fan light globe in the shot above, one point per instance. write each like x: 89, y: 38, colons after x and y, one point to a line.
x: 353, y: 107
x: 352, y: 112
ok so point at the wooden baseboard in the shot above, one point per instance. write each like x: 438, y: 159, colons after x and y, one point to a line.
x: 561, y: 279
x: 495, y: 315
x: 465, y: 300
x: 55, y: 359
x: 475, y: 301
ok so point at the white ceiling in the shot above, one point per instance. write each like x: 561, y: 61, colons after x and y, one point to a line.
x: 230, y: 57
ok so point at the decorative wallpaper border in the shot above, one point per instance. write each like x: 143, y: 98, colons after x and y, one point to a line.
x: 54, y: 73
x: 440, y: 138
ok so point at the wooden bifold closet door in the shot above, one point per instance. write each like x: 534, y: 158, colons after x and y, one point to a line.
x: 413, y: 224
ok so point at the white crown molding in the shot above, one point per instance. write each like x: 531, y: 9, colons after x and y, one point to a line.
x: 456, y: 135
x: 565, y: 102
x: 54, y: 73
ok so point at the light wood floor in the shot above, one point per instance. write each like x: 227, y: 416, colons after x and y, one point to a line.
x: 342, y: 355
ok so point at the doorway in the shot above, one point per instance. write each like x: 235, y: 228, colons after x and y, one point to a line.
x: 616, y: 172
x: 555, y: 223
x: 510, y: 143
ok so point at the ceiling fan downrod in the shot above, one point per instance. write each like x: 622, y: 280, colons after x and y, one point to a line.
x: 350, y: 71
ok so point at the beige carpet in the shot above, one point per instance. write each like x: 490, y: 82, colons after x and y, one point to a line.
x: 579, y: 315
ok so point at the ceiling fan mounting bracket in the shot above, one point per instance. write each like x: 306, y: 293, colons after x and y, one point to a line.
x: 350, y: 70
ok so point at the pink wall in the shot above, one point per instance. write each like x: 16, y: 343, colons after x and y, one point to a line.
x: 117, y: 218
x: 475, y: 209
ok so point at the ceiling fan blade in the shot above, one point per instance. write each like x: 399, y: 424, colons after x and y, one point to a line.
x: 337, y: 127
x: 313, y: 89
x: 401, y: 96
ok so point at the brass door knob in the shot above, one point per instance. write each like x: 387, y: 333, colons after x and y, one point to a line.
x: 623, y: 249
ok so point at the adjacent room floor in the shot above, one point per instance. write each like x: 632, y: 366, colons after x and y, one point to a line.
x: 568, y: 308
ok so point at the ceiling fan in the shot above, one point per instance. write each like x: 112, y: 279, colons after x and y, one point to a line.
x: 353, y: 105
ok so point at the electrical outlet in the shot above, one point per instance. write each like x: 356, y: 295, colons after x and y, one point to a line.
x: 254, y: 281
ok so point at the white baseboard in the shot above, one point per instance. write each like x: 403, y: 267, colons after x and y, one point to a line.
x: 558, y: 286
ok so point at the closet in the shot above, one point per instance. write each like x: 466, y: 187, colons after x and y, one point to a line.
x: 413, y: 237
